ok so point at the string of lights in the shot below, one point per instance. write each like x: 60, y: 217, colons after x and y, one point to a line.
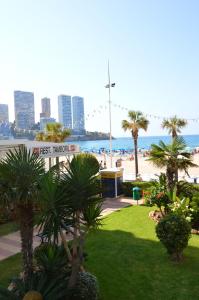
x: 100, y: 109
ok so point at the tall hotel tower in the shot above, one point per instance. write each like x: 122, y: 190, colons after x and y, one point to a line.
x: 24, y: 109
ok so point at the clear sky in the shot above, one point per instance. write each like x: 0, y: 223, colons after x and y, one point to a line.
x: 54, y: 47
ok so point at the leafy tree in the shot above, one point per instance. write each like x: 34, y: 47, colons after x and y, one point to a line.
x: 20, y: 173
x: 137, y: 121
x: 174, y: 125
x: 172, y: 157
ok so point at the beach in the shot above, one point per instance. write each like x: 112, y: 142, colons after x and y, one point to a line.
x: 147, y: 170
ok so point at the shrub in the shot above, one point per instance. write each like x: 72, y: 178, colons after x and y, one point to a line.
x: 187, y: 190
x: 87, y: 287
x: 194, y: 208
x: 49, y: 288
x: 143, y: 185
x: 174, y: 233
x: 160, y: 198
x: 51, y: 259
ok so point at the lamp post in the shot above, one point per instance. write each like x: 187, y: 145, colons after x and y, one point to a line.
x: 109, y: 85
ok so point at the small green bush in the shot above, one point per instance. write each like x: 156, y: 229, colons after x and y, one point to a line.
x: 174, y: 233
x: 194, y: 208
x: 87, y: 287
x: 143, y: 185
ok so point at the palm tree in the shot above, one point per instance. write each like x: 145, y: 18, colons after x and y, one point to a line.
x: 137, y: 122
x: 174, y: 125
x: 172, y: 157
x: 72, y: 199
x: 20, y: 174
x: 54, y: 133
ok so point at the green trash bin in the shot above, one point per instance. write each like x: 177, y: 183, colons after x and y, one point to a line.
x: 136, y: 193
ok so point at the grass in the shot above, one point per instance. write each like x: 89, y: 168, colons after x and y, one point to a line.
x: 9, y: 268
x: 8, y: 228
x: 130, y: 263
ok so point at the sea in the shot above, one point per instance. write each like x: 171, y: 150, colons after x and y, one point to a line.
x: 126, y: 144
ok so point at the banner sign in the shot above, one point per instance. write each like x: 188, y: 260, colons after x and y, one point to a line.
x: 56, y: 151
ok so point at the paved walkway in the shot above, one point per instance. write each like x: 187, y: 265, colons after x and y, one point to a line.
x: 11, y: 244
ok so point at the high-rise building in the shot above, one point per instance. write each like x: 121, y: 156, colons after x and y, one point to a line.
x: 45, y: 121
x: 78, y: 114
x: 45, y: 107
x: 64, y: 111
x: 24, y: 109
x: 4, y: 113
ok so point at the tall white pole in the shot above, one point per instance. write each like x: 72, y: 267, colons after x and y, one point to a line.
x: 110, y: 124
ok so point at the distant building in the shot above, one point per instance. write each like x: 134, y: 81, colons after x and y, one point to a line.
x: 45, y: 107
x: 44, y: 121
x: 4, y: 129
x: 78, y: 115
x: 24, y: 109
x: 4, y: 113
x: 64, y: 111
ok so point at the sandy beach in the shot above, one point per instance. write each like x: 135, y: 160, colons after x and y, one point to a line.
x: 146, y: 168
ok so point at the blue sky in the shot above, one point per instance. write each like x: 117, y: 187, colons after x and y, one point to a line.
x: 54, y: 47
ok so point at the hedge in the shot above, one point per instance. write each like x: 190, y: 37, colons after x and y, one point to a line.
x: 143, y: 185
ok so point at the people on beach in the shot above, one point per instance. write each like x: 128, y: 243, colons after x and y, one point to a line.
x: 101, y: 165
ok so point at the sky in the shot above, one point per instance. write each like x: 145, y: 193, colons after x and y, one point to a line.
x: 53, y: 47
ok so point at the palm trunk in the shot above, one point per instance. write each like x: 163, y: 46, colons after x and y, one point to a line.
x: 26, y: 232
x: 76, y: 263
x: 176, y: 175
x: 136, y: 157
x: 170, y: 179
x: 57, y: 160
x: 65, y: 245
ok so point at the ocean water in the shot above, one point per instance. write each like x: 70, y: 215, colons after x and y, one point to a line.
x: 127, y: 143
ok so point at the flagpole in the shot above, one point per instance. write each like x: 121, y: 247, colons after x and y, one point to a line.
x: 110, y: 121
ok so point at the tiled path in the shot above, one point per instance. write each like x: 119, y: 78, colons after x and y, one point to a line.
x: 10, y: 244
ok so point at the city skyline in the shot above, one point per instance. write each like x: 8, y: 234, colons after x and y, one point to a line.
x: 152, y: 48
x: 71, y: 111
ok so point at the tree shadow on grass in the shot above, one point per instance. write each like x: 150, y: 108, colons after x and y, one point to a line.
x: 129, y: 267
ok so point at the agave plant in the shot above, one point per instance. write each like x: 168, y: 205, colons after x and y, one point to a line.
x: 48, y: 288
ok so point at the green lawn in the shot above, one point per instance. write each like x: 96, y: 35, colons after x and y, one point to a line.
x: 130, y: 263
x: 8, y: 228
x: 9, y: 268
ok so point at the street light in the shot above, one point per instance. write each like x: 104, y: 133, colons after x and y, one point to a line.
x: 108, y: 86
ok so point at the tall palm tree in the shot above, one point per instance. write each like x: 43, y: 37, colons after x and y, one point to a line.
x: 174, y: 125
x: 137, y: 121
x: 20, y: 174
x: 172, y: 157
